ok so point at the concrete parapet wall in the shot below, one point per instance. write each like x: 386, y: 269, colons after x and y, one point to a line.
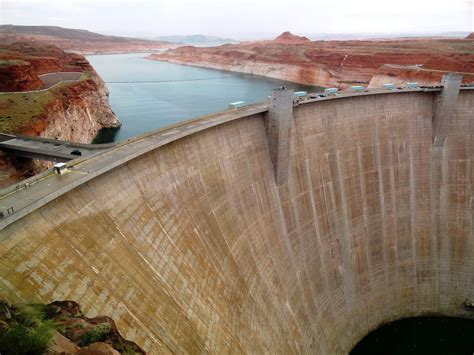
x: 193, y: 247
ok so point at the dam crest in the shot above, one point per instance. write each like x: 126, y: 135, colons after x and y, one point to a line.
x: 201, y: 238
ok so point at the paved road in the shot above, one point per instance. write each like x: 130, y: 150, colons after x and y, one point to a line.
x: 52, y: 79
x: 47, y: 149
x: 421, y: 68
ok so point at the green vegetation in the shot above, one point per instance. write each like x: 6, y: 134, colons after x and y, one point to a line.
x: 8, y: 62
x: 23, y: 329
x: 64, y: 330
x: 96, y: 333
x: 19, y: 110
x: 85, y: 76
x: 29, y: 328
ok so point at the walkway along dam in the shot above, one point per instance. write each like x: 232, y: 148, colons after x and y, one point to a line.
x: 269, y: 229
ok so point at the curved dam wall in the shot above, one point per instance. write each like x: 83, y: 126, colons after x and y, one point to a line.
x: 193, y: 248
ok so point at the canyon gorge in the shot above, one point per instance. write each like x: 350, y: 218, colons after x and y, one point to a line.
x: 71, y: 110
x: 336, y: 63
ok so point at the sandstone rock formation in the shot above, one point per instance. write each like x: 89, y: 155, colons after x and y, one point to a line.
x: 59, y: 328
x: 400, y: 75
x: 95, y: 336
x: 18, y: 75
x: 289, y: 38
x: 328, y: 63
x: 470, y: 36
x: 73, y: 111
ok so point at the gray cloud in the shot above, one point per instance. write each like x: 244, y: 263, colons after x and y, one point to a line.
x: 243, y: 18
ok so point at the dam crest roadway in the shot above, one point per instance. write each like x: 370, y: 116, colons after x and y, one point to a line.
x: 15, y: 201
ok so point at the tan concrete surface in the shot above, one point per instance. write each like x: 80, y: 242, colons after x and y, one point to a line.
x: 192, y: 248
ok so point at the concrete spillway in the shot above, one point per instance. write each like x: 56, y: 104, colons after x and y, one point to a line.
x: 192, y: 246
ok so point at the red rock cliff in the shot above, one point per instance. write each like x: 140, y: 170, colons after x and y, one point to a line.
x: 327, y: 63
x: 18, y: 76
x: 73, y: 111
x: 400, y: 75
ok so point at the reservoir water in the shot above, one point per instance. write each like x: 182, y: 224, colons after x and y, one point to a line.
x: 148, y: 94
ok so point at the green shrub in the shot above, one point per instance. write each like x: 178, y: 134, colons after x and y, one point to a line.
x: 24, y: 331
x: 28, y: 315
x: 47, y: 311
x: 19, y: 339
x: 96, y: 333
x: 4, y: 310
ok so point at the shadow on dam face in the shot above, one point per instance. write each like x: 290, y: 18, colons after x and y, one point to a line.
x: 420, y: 336
x: 192, y: 247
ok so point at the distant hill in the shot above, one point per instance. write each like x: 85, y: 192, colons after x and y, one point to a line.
x: 376, y: 35
x: 196, y: 39
x: 78, y: 40
x: 289, y: 38
x: 60, y: 32
x: 470, y: 36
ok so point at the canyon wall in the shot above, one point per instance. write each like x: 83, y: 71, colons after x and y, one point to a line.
x: 306, y: 74
x: 193, y: 248
x: 77, y: 114
x: 328, y: 63
x: 401, y: 75
x: 73, y: 111
x: 19, y: 76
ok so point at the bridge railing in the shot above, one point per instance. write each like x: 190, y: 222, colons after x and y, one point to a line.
x: 61, y: 142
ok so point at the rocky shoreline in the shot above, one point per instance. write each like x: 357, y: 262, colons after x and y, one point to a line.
x: 331, y: 63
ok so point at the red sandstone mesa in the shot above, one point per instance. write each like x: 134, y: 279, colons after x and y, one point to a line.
x: 333, y: 63
x: 289, y: 38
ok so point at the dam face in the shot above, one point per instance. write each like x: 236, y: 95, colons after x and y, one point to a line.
x: 193, y: 247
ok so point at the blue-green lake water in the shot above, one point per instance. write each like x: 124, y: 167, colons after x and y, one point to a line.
x: 148, y: 94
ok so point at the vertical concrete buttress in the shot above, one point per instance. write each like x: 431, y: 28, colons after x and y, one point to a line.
x: 279, y: 132
x: 445, y: 107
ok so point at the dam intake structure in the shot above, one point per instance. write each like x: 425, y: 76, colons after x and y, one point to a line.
x: 260, y: 230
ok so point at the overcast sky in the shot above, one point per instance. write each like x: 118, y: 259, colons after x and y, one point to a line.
x: 243, y: 18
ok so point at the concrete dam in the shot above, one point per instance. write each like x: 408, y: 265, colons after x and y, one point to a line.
x: 246, y: 232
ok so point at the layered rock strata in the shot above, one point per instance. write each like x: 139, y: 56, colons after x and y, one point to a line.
x: 70, y: 110
x: 328, y: 63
